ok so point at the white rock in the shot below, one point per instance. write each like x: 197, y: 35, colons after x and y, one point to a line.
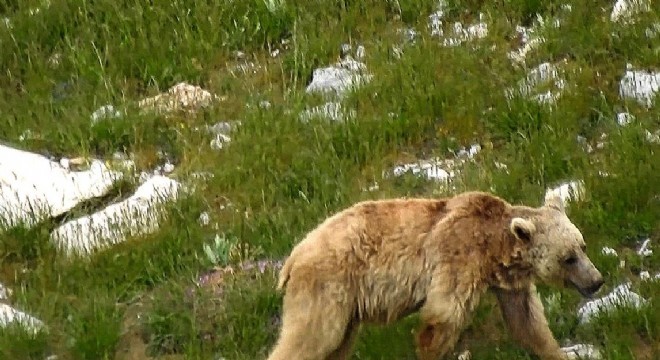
x: 137, y: 215
x: 582, y: 351
x: 33, y: 188
x: 652, y: 137
x: 105, y: 112
x: 9, y: 315
x: 360, y: 52
x: 469, y: 153
x: 265, y: 104
x: 645, y: 249
x: 345, y: 75
x: 330, y: 110
x: 644, y: 275
x: 625, y: 9
x: 430, y: 169
x: 520, y: 55
x: 640, y: 85
x: 569, y: 191
x: 374, y: 187
x: 435, y: 19
x: 5, y: 292
x: 465, y: 355
x: 543, y: 74
x: 219, y: 142
x: 181, y: 96
x: 609, y: 251
x: 204, y: 218
x: 461, y: 34
x: 624, y: 119
x: 653, y: 31
x: 168, y: 168
x: 621, y: 296
x: 501, y: 166
x: 409, y: 34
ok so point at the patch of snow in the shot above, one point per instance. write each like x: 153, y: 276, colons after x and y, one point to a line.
x: 609, y: 252
x: 621, y: 296
x: 640, y: 85
x: 626, y: 9
x: 9, y: 315
x: 569, y: 191
x: 181, y: 96
x: 582, y: 351
x: 105, y: 112
x: 33, y: 188
x: 136, y: 215
x: 330, y: 110
x: 339, y: 78
x: 545, y: 73
x: 645, y: 249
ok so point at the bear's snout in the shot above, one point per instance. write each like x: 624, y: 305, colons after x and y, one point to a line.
x: 591, y: 290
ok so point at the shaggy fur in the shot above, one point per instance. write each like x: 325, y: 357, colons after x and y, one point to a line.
x: 379, y: 261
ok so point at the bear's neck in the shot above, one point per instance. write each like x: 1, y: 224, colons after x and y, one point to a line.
x: 511, y: 266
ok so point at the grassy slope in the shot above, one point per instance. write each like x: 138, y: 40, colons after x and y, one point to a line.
x: 283, y: 177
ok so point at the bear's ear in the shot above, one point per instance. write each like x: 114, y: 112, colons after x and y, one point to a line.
x: 523, y: 229
x: 554, y: 201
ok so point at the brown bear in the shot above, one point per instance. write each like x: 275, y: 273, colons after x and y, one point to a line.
x: 379, y: 261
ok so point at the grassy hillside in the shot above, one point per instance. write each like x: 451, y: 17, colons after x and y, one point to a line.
x: 280, y: 175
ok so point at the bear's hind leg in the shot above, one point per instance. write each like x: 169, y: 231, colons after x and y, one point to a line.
x: 313, y: 327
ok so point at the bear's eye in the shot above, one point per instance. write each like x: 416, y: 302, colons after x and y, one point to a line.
x: 571, y: 260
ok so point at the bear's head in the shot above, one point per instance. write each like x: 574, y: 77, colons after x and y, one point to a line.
x: 557, y: 248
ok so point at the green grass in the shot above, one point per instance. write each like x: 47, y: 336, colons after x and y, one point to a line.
x: 282, y: 176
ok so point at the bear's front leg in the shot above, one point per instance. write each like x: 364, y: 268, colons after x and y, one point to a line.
x: 435, y: 340
x: 523, y: 313
x: 443, y: 317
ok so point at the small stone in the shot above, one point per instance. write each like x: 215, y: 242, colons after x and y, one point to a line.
x: 204, y: 218
x: 105, y: 112
x: 219, y: 142
x: 360, y: 53
x: 609, y: 252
